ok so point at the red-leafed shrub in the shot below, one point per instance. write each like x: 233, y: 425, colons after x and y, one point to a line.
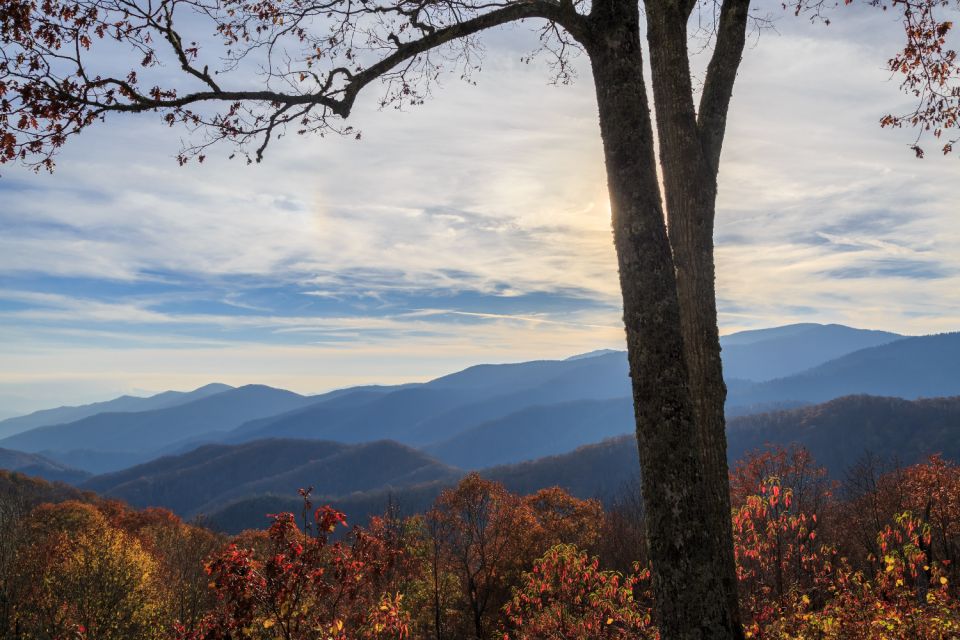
x: 566, y: 596
x: 305, y: 586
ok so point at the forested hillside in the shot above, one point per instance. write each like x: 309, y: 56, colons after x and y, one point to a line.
x: 876, y: 550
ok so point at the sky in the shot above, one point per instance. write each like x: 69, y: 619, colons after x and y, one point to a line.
x: 474, y: 228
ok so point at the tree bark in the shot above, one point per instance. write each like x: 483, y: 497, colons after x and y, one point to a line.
x: 690, y: 186
x: 688, y: 570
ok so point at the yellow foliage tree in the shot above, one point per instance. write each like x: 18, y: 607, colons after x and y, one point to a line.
x: 82, y: 577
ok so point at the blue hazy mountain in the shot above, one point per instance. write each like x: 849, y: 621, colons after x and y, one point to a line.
x: 514, y: 405
x: 143, y: 432
x: 127, y: 404
x: 925, y: 366
x: 39, y: 466
x: 765, y: 354
x: 497, y: 414
x: 445, y: 406
x: 521, y: 435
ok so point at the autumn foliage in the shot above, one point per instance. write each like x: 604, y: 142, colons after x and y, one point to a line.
x: 300, y: 585
x: 872, y: 556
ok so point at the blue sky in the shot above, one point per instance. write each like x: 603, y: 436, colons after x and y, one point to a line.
x: 472, y: 229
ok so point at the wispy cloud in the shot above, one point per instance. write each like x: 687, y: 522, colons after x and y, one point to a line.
x: 474, y: 228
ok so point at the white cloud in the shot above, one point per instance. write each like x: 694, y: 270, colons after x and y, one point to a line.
x: 496, y: 189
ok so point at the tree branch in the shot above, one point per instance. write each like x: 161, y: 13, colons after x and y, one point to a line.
x: 56, y: 95
x: 721, y: 74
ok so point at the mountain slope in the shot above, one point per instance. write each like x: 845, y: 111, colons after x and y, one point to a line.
x: 209, y: 477
x: 535, y: 432
x: 147, y: 431
x: 382, y: 416
x: 443, y: 407
x: 839, y: 432
x: 926, y: 366
x: 464, y: 404
x: 766, y: 354
x: 32, y: 464
x: 596, y: 470
x: 127, y: 404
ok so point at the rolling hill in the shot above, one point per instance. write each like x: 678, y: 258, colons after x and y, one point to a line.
x: 535, y: 432
x: 211, y: 476
x: 839, y: 432
x: 445, y: 406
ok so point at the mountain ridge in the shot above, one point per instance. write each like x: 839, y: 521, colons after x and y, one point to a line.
x: 911, y: 429
x: 124, y: 403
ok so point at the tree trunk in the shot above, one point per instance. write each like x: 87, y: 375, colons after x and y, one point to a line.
x: 690, y: 186
x: 687, y: 561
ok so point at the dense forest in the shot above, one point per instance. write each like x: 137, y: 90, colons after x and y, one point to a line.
x: 872, y: 555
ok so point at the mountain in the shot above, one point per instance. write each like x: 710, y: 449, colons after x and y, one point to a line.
x: 444, y: 407
x: 367, y: 418
x: 600, y: 377
x: 571, y: 406
x: 22, y: 491
x: 535, y: 432
x: 147, y: 431
x: 597, y: 470
x: 837, y: 433
x: 127, y: 404
x: 32, y: 464
x: 594, y: 354
x: 457, y: 416
x: 94, y: 462
x: 211, y: 476
x: 448, y: 407
x: 765, y: 354
x: 925, y: 366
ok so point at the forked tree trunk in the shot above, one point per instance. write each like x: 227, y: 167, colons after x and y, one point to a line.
x: 688, y: 568
x: 688, y: 159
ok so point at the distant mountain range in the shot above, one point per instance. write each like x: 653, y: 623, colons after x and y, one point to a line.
x: 123, y: 404
x: 144, y: 432
x: 765, y: 354
x: 236, y: 485
x: 490, y: 415
x: 926, y: 366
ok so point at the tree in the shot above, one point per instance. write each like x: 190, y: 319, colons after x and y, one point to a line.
x: 780, y: 500
x: 318, y: 55
x: 483, y: 535
x: 82, y: 577
x: 180, y: 550
x: 567, y: 596
x: 302, y: 585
